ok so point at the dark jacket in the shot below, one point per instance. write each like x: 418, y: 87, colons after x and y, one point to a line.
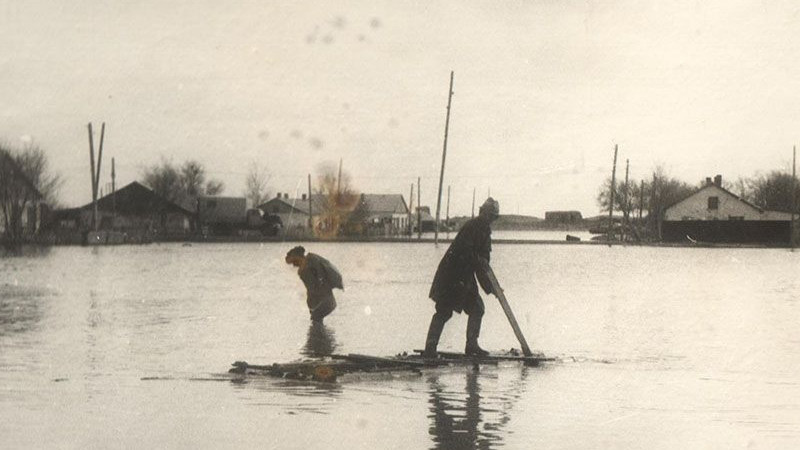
x: 320, y: 277
x: 454, y: 284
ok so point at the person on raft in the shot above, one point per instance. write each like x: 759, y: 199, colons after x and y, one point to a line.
x: 319, y: 277
x: 454, y: 287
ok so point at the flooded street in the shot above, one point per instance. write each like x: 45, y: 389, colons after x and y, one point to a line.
x: 129, y: 347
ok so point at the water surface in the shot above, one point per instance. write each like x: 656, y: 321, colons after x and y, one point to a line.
x: 128, y: 347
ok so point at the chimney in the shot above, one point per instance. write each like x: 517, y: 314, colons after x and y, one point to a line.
x: 708, y: 181
x: 304, y: 196
x: 718, y: 180
x: 286, y: 196
x: 278, y: 196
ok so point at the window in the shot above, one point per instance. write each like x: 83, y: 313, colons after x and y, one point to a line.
x: 713, y: 202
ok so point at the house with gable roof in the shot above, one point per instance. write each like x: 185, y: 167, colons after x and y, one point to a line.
x: 716, y: 215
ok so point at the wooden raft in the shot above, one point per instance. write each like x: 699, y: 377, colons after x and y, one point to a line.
x: 329, y: 368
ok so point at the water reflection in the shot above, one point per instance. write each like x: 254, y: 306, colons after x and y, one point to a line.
x: 19, y: 309
x: 473, y: 416
x: 321, y: 340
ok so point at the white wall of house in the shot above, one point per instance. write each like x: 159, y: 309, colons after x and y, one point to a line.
x: 697, y: 207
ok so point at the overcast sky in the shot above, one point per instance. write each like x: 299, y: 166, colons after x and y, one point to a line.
x: 543, y: 91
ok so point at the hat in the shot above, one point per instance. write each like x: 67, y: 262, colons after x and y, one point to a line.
x: 490, y: 207
x: 298, y: 251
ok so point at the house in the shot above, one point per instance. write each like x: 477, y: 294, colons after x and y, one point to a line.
x: 383, y: 214
x: 714, y: 214
x: 294, y: 212
x: 134, y: 209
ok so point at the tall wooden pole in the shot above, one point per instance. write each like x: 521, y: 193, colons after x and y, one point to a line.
x: 113, y: 190
x: 447, y: 214
x: 473, y: 203
x: 419, y: 212
x: 97, y: 175
x: 625, y: 202
x: 310, y: 211
x: 611, y: 196
x: 94, y: 185
x: 444, y: 156
x: 410, y: 209
x: 794, y: 204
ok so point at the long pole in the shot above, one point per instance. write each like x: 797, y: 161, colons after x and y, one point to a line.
x: 310, y: 211
x: 611, y: 197
x: 94, y: 185
x: 473, y: 203
x: 447, y: 220
x: 794, y: 204
x: 625, y: 201
x: 444, y: 155
x: 113, y: 190
x: 410, y: 209
x: 97, y: 175
x: 419, y: 212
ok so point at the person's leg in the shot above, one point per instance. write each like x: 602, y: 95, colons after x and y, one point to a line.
x: 321, y: 311
x: 438, y: 320
x: 475, y: 313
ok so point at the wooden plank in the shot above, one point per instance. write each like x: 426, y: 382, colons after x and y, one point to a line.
x: 490, y: 357
x: 377, y: 360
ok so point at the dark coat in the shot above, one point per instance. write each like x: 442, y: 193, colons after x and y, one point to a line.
x: 320, y: 277
x: 454, y: 284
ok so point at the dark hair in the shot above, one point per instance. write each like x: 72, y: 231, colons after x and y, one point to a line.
x: 297, y: 251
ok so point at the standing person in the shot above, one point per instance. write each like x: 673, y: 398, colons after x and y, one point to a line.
x: 319, y: 277
x: 454, y: 287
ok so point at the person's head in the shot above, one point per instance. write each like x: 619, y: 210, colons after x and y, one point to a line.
x: 296, y: 256
x: 490, y: 209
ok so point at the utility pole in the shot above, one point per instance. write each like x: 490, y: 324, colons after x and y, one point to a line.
x: 794, y: 204
x: 410, y: 209
x: 611, y: 197
x: 447, y: 220
x: 444, y: 155
x: 419, y: 212
x: 95, y: 170
x: 310, y: 212
x: 625, y: 202
x: 114, y: 190
x: 473, y: 203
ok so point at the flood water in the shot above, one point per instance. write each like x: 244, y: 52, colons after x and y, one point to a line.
x: 128, y: 347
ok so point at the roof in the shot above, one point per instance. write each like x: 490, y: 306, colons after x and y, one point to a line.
x: 384, y: 203
x: 136, y: 199
x: 712, y: 185
x: 298, y: 204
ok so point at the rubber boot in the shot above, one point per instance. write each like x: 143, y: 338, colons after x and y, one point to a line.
x: 434, y: 332
x: 473, y: 331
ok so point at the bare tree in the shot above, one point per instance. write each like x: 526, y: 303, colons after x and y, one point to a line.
x: 181, y: 185
x: 24, y: 179
x: 256, y: 184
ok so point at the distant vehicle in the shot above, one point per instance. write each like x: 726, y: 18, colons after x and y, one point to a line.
x: 267, y: 224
